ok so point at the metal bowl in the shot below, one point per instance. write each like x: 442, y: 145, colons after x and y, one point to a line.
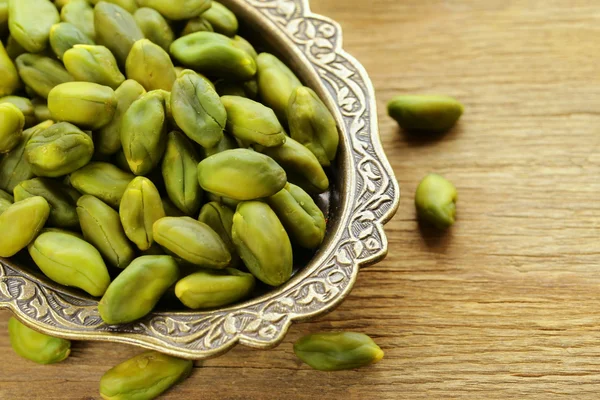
x: 363, y: 197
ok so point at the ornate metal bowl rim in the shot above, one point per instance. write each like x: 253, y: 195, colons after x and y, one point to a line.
x: 368, y: 198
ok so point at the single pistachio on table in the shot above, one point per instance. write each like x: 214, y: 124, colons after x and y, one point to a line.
x: 64, y: 36
x: 150, y: 65
x: 154, y: 26
x: 177, y: 9
x: 36, y: 346
x: 102, y: 180
x: 11, y: 128
x: 193, y: 241
x: 30, y: 22
x: 58, y: 150
x: 101, y: 226
x: 25, y: 105
x: 221, y: 19
x: 41, y: 73
x: 20, y: 223
x: 144, y: 377
x: 91, y: 63
x: 135, y: 292
x: 425, y: 113
x: 197, y: 24
x: 262, y: 242
x: 80, y: 14
x: 335, y: 351
x: 220, y: 218
x: 435, y: 201
x: 116, y: 29
x: 210, y: 289
x: 70, y: 261
x: 10, y: 78
x: 86, y: 104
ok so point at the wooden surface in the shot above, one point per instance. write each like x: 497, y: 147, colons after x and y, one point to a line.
x: 506, y: 304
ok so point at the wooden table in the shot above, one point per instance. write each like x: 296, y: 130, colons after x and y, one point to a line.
x: 504, y: 305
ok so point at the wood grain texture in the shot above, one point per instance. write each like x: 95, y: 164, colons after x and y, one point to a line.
x: 506, y: 304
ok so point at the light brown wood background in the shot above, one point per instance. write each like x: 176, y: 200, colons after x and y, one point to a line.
x: 507, y: 303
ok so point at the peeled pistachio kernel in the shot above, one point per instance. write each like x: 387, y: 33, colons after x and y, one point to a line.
x: 144, y: 376
x: 214, y: 54
x: 426, y: 113
x: 312, y: 125
x: 58, y: 150
x: 180, y: 173
x: 30, y: 22
x: 26, y: 107
x: 245, y: 45
x: 14, y: 167
x: 58, y: 196
x: 129, y: 5
x: 220, y: 218
x: 222, y: 19
x: 41, y: 73
x: 210, y: 289
x: 262, y: 243
x: 227, y: 143
x: 20, y: 224
x: 435, y: 201
x: 337, y: 351
x: 12, y: 122
x: 91, y: 63
x: 135, y: 292
x: 10, y: 78
x: 193, y: 241
x: 141, y: 206
x: 198, y: 24
x: 116, y: 29
x: 80, y: 14
x: 252, y: 122
x: 86, y: 104
x: 64, y: 36
x: 102, y: 180
x: 241, y: 174
x: 35, y: 346
x: 154, y: 26
x: 150, y: 65
x: 143, y: 132
x: 177, y: 9
x: 101, y: 226
x: 197, y: 109
x: 276, y: 82
x: 300, y: 165
x: 70, y: 261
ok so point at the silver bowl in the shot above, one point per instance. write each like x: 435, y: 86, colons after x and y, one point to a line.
x: 363, y: 197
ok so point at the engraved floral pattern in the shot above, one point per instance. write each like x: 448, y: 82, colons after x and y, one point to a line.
x: 262, y: 323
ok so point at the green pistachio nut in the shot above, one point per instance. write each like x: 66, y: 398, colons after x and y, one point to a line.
x: 198, y: 24
x: 262, y: 243
x: 180, y: 173
x: 64, y: 36
x: 177, y: 9
x: 197, y: 109
x: 300, y: 164
x: 12, y: 122
x: 41, y: 73
x: 276, y: 83
x: 86, y: 104
x: 435, y: 201
x: 70, y: 261
x: 101, y: 226
x: 210, y: 289
x: 151, y: 66
x: 116, y: 29
x: 143, y: 377
x: 155, y: 27
x: 35, y: 346
x: 58, y: 195
x: 80, y: 14
x: 222, y: 19
x: 425, y: 113
x: 40, y: 109
x: 59, y: 150
x: 193, y: 241
x: 30, y: 22
x: 10, y: 78
x: 312, y: 125
x: 220, y: 218
x: 91, y: 63
x: 245, y: 45
x: 135, y: 292
x: 241, y: 174
x: 215, y: 55
x: 14, y: 167
x: 227, y: 143
x: 141, y: 206
x: 143, y: 132
x: 20, y: 224
x: 102, y: 180
x: 301, y: 217
x: 335, y: 351
x: 108, y: 138
x: 59, y: 3
x: 129, y: 5
x: 252, y: 122
x: 26, y: 107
